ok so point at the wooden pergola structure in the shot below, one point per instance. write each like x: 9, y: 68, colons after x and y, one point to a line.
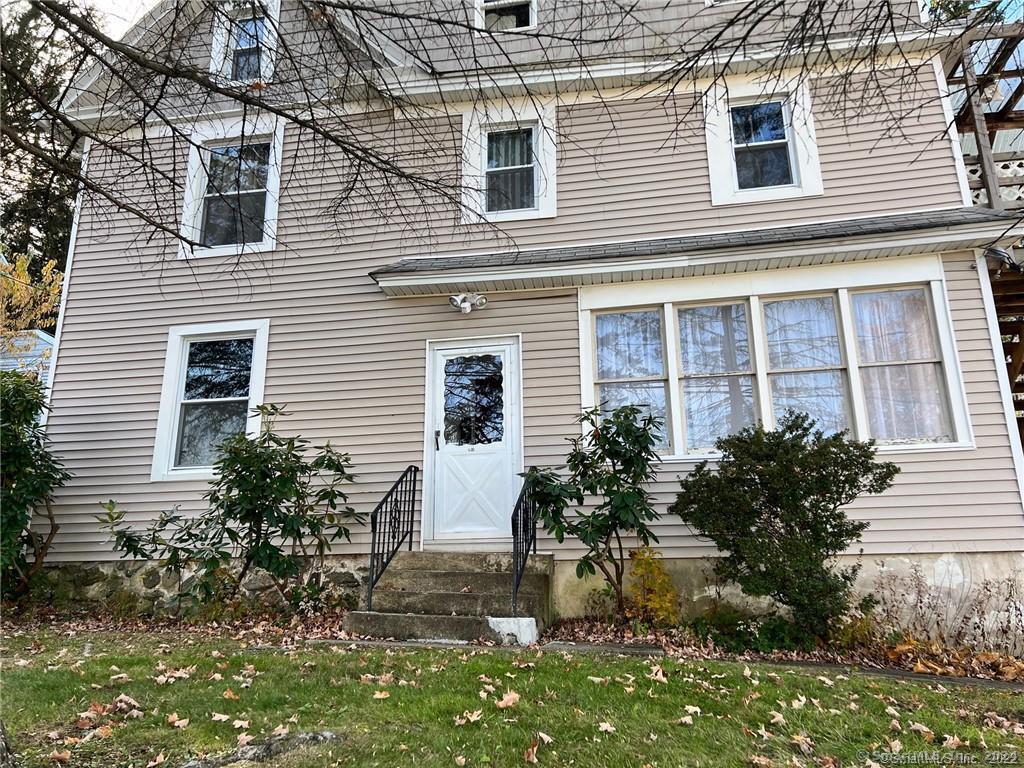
x: 987, y: 79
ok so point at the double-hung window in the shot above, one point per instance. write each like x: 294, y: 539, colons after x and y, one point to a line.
x: 901, y: 366
x: 761, y: 145
x: 805, y: 360
x: 246, y: 44
x: 213, y: 379
x: 509, y: 161
x: 875, y: 360
x: 235, y: 199
x: 231, y: 194
x: 244, y: 40
x: 631, y: 362
x: 511, y: 173
x: 717, y: 373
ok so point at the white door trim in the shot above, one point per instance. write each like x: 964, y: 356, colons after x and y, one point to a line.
x: 515, y: 340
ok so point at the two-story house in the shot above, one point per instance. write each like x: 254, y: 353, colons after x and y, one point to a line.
x: 718, y: 254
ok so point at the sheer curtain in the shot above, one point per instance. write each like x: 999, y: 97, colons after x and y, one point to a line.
x: 631, y: 363
x: 806, y: 360
x: 718, y: 382
x: 900, y: 366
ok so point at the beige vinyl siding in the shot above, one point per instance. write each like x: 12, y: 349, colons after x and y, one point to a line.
x: 349, y: 363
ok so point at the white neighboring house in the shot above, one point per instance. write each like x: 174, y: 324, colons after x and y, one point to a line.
x: 32, y: 353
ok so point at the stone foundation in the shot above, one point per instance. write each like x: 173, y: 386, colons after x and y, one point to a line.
x: 145, y: 588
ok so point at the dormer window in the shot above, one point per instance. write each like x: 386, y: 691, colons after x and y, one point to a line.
x: 244, y: 40
x: 246, y: 44
x: 507, y: 15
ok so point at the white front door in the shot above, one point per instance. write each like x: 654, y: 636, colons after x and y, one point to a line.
x: 473, y: 440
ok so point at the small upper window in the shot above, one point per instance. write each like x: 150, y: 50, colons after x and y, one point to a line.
x: 511, y: 170
x: 235, y: 196
x: 246, y: 47
x: 507, y: 15
x: 760, y: 139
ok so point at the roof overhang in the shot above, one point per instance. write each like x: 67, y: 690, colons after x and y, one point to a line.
x: 598, y: 270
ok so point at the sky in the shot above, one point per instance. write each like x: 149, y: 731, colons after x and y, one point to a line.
x: 119, y: 15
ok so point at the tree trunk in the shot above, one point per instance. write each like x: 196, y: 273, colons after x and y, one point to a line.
x: 7, y: 757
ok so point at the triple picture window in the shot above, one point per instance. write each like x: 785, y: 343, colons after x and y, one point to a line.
x: 738, y: 362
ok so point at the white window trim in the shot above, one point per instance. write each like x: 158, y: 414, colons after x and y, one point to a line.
x: 806, y: 165
x: 220, y: 61
x: 250, y: 130
x: 476, y: 124
x: 480, y: 17
x: 178, y: 337
x: 757, y: 287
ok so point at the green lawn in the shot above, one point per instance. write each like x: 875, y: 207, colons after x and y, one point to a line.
x: 404, y: 708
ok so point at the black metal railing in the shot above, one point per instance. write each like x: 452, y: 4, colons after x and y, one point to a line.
x: 390, y: 525
x: 524, y: 538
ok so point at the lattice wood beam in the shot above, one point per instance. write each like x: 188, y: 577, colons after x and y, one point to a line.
x: 988, y: 167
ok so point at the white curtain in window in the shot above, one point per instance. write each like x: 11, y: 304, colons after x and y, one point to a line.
x: 713, y: 341
x: 906, y: 398
x: 803, y: 335
x: 629, y: 345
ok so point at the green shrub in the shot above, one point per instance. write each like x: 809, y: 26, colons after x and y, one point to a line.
x: 737, y: 631
x: 773, y: 506
x: 30, y: 474
x: 271, y: 505
x: 613, y: 462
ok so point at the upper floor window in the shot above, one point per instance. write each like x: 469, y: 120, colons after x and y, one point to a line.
x: 244, y: 37
x: 231, y: 196
x: 508, y: 15
x: 761, y: 146
x: 213, y: 379
x: 246, y: 47
x: 235, y: 199
x: 511, y: 170
x: 509, y: 162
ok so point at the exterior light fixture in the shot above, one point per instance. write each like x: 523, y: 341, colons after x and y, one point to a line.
x: 467, y: 302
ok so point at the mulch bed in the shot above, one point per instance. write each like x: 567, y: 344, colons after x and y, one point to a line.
x: 918, y: 657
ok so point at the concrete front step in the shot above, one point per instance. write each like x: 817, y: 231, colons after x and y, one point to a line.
x: 473, y: 562
x: 490, y: 583
x: 412, y: 626
x: 461, y: 603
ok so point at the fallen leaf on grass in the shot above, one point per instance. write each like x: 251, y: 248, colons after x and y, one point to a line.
x: 183, y: 723
x: 530, y: 755
x: 777, y: 718
x: 242, y: 724
x: 158, y: 760
x: 104, y: 731
x: 657, y: 674
x: 953, y: 742
x: 692, y: 710
x: 803, y: 742
x: 381, y: 694
x: 760, y: 760
x: 281, y: 730
x: 598, y: 680
x: 545, y: 739
x: 244, y: 738
x: 687, y: 720
x: 510, y: 699
x: 924, y: 730
x: 460, y: 760
x: 606, y: 727
x: 217, y: 717
x: 230, y: 695
x: 63, y: 756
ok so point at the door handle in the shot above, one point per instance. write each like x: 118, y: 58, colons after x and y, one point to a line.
x: 437, y: 439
